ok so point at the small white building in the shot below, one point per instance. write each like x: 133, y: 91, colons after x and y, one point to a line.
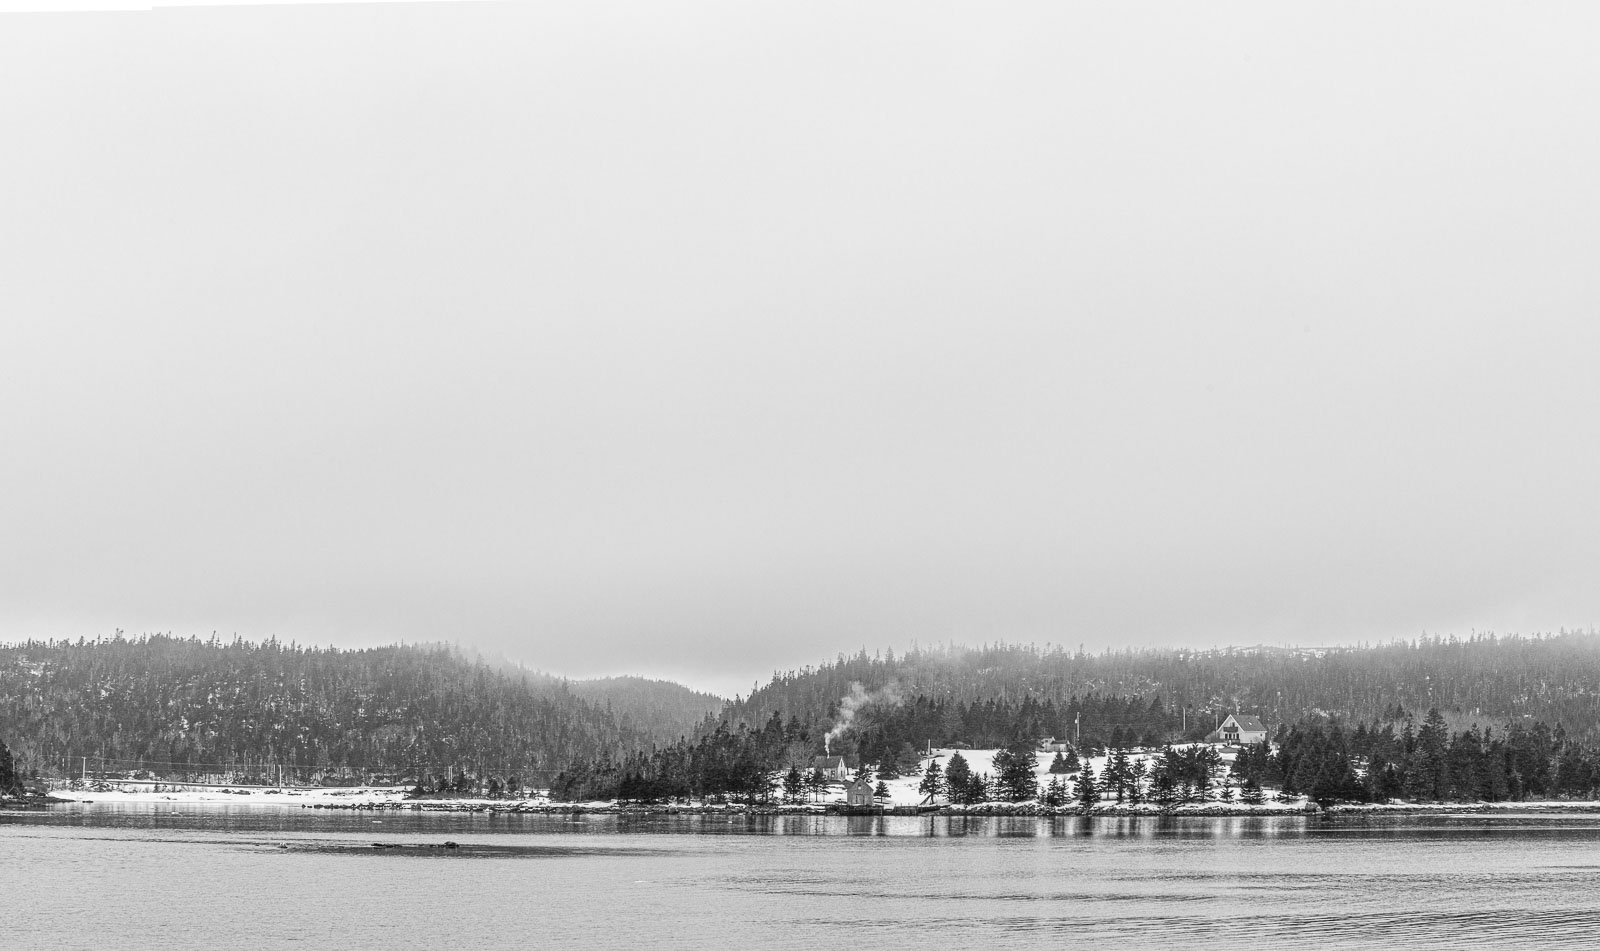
x: 1241, y: 730
x: 832, y: 768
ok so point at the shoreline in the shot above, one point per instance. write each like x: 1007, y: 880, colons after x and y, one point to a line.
x: 397, y: 798
x: 391, y: 803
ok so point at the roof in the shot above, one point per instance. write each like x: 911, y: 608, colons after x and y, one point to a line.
x: 1249, y: 724
x: 861, y: 780
x: 828, y: 762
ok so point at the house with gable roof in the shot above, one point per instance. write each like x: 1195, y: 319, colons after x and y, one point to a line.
x: 832, y: 768
x: 859, y: 792
x: 1239, y: 730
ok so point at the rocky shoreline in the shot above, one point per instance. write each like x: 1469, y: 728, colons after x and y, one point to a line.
x: 30, y: 801
x: 992, y: 809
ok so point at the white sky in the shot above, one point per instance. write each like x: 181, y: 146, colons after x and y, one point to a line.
x: 699, y: 339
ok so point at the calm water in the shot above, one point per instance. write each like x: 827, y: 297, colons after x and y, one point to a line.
x: 186, y: 878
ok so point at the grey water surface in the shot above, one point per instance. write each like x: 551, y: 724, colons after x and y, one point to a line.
x: 189, y: 877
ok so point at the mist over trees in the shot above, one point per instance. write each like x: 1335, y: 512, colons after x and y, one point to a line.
x: 1554, y: 678
x: 1007, y: 696
x: 237, y: 706
x: 327, y: 712
x: 664, y: 709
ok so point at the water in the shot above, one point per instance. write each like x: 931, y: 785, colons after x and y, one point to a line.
x: 206, y: 878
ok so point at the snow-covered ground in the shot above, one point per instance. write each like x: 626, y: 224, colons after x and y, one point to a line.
x: 903, y: 791
x: 234, y: 795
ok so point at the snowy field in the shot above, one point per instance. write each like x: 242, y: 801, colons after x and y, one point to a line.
x: 902, y: 792
x: 234, y: 795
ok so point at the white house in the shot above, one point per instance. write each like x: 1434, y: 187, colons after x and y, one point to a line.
x: 1241, y: 730
x: 832, y: 768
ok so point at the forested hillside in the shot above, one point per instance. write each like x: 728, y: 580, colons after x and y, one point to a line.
x: 671, y: 708
x: 1526, y: 713
x: 985, y: 695
x: 239, y: 707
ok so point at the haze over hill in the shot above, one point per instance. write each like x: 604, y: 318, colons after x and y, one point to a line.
x: 194, y: 704
x: 217, y: 706
x: 699, y: 340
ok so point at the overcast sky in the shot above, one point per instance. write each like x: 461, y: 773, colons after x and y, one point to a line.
x: 700, y: 340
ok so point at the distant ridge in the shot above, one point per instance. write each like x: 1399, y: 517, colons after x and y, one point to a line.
x: 395, y: 711
x: 1552, y: 677
x: 668, y: 705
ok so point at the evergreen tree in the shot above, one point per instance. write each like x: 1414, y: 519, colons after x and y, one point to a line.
x: 1135, y: 784
x: 933, y: 781
x: 1428, y: 769
x: 1071, y: 757
x: 1250, y: 792
x: 794, y: 785
x: 1163, y: 788
x: 980, y: 788
x: 880, y: 792
x: 1059, y: 764
x: 816, y: 782
x: 1015, y: 767
x: 10, y: 782
x: 1114, y: 781
x: 1088, y: 795
x: 958, y: 779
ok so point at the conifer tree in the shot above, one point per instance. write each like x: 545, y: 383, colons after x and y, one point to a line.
x: 1250, y: 792
x: 1113, y: 782
x: 933, y: 782
x: 1088, y: 795
x: 958, y: 779
x: 816, y: 782
x: 794, y: 785
x: 1163, y: 789
x: 1135, y: 784
x: 10, y: 783
x: 1015, y: 768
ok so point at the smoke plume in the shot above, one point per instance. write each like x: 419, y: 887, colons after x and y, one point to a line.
x: 887, y: 696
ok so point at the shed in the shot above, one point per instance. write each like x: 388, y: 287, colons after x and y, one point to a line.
x: 859, y: 793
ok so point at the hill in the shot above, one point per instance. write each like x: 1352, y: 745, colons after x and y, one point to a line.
x: 1437, y: 719
x: 670, y: 709
x: 986, y: 695
x: 234, y: 708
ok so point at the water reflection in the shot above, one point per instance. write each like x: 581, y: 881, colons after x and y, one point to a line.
x: 1111, y: 829
x: 275, y: 878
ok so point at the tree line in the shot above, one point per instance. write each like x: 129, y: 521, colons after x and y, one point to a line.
x: 259, y: 710
x: 1318, y: 758
x: 1549, y: 678
x: 1379, y: 762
